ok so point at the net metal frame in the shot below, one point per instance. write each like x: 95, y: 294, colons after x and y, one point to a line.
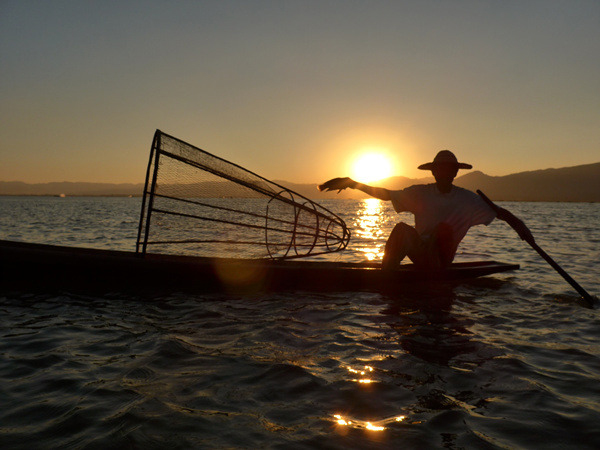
x: 290, y: 226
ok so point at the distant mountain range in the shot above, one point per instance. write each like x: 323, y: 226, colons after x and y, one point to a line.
x: 568, y: 184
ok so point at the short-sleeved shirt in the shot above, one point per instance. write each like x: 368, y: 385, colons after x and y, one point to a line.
x: 459, y: 208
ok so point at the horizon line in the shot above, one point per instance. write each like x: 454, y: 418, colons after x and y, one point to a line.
x: 311, y: 182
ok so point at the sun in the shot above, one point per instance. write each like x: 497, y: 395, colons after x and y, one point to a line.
x: 372, y: 166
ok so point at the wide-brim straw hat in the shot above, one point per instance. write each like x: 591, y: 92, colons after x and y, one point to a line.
x: 445, y: 157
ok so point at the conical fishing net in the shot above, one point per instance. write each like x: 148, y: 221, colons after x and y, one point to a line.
x: 199, y: 204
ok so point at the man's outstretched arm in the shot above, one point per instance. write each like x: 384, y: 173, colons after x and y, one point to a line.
x: 339, y: 184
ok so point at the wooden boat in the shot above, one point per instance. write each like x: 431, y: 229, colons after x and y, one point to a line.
x: 41, y: 266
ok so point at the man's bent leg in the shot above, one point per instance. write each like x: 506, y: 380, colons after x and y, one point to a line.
x: 404, y: 240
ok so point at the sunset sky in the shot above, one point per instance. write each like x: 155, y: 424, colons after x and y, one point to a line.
x: 297, y: 90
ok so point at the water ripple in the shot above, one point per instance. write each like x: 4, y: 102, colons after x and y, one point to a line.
x: 504, y: 362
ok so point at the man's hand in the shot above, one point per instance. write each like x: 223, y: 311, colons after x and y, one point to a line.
x: 516, y: 224
x: 522, y: 230
x: 338, y: 184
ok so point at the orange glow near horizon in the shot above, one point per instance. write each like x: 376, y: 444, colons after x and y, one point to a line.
x: 372, y: 165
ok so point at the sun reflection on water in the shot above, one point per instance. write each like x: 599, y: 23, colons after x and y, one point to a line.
x: 362, y: 373
x: 372, y: 427
x: 364, y: 376
x: 368, y: 228
x: 379, y: 425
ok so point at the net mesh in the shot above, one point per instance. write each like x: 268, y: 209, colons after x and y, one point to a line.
x: 199, y: 204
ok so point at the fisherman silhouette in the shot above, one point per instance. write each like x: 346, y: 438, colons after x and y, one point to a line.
x: 443, y: 215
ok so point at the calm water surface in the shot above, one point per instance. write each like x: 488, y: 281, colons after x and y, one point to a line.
x: 510, y: 361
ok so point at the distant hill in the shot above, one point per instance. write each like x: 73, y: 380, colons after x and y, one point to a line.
x: 568, y: 184
x: 71, y: 189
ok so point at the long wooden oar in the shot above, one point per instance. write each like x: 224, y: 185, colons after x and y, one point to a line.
x: 531, y: 241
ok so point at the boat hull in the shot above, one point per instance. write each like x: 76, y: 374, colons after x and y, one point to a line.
x: 42, y: 266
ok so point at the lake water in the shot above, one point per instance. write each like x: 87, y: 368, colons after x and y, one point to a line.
x: 513, y: 362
